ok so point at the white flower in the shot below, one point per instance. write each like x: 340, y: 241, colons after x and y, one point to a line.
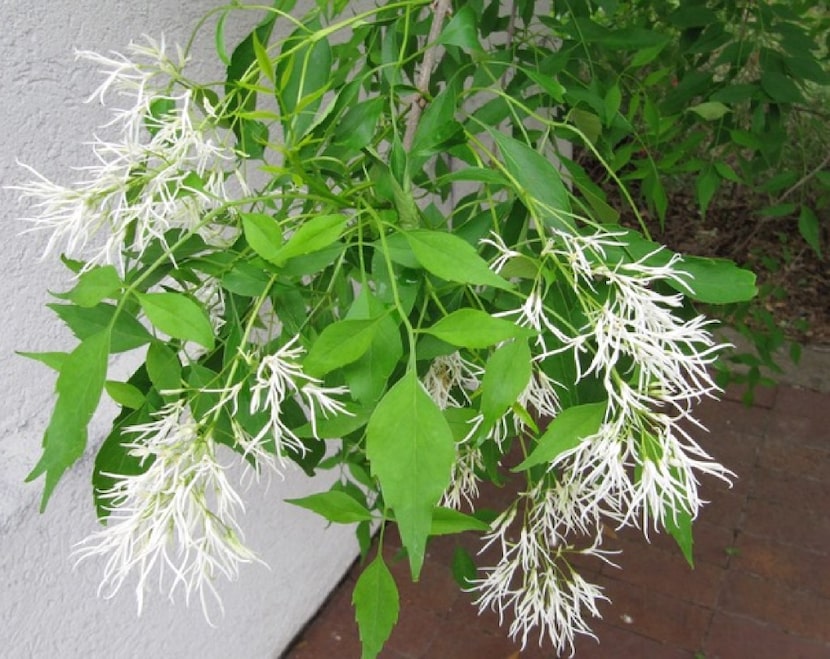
x: 178, y: 517
x: 504, y: 252
x: 450, y: 376
x: 280, y: 376
x: 165, y: 169
x: 640, y: 465
x: 534, y: 582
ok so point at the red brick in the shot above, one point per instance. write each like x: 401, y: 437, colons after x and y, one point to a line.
x: 803, y: 525
x: 333, y: 633
x: 464, y: 633
x: 666, y: 572
x: 710, y: 541
x: 734, y: 637
x: 761, y: 396
x: 786, y: 565
x: 423, y: 606
x: 727, y: 415
x: 794, y: 459
x: 659, y: 617
x: 798, y: 612
x: 802, y: 416
x: 617, y: 643
x: 788, y: 489
x: 737, y: 451
x: 723, y: 508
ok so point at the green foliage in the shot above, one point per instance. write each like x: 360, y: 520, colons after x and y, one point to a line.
x: 410, y: 447
x: 422, y: 275
x: 376, y: 605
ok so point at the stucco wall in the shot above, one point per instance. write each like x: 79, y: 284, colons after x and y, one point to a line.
x: 47, y: 609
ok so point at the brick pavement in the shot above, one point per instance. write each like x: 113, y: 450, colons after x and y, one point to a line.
x: 760, y: 588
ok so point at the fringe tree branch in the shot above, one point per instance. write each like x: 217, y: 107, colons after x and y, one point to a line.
x: 440, y: 10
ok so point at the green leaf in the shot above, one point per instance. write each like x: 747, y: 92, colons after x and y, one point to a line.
x: 339, y: 344
x: 436, y: 126
x: 473, y: 328
x: 461, y: 31
x: 244, y: 55
x: 645, y: 56
x: 780, y: 87
x: 506, y: 376
x: 679, y: 527
x: 368, y: 377
x: 124, y: 394
x: 163, y: 368
x: 588, y: 123
x: 263, y: 234
x: 540, y: 183
x: 611, y: 103
x: 564, y: 433
x: 304, y: 75
x: 94, y: 286
x: 461, y: 420
x: 53, y: 360
x: 710, y: 110
x: 357, y: 128
x: 178, y: 316
x: 411, y: 450
x: 252, y: 137
x: 262, y: 58
x: 335, y: 505
x: 694, y: 15
x: 449, y: 257
x: 336, y: 427
x: 79, y: 388
x: 376, y: 604
x: 463, y: 567
x: 312, y: 236
x: 810, y: 229
x: 246, y: 279
x: 114, y: 457
x: 127, y: 332
x: 547, y: 83
x: 706, y: 185
x: 715, y: 281
x: 447, y: 521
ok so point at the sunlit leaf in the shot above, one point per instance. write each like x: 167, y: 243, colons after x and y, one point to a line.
x: 411, y: 450
x: 178, y: 316
x: 564, y: 433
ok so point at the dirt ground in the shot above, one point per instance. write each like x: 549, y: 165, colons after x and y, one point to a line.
x: 794, y: 281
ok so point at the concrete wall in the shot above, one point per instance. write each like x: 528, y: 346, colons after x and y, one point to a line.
x: 47, y: 609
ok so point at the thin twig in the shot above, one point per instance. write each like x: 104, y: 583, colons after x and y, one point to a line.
x: 805, y: 178
x: 511, y: 31
x: 442, y: 7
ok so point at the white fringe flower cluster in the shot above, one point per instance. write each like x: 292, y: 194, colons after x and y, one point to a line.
x: 179, y: 516
x: 641, y: 467
x: 167, y: 167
